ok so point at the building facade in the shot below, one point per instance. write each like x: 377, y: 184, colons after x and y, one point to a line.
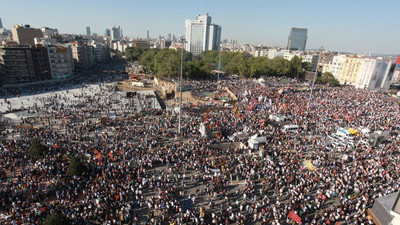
x: 17, y: 64
x: 374, y: 74
x: 48, y: 32
x: 41, y: 62
x: 297, y: 39
x: 201, y: 35
x: 88, y: 31
x: 350, y: 70
x: 334, y: 65
x: 165, y: 44
x: 25, y: 35
x: 61, y: 61
x: 141, y: 44
x: 83, y: 55
x: 115, y: 33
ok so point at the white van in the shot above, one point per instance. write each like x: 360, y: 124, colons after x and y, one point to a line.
x: 290, y: 128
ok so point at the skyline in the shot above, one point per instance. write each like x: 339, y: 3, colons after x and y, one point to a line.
x: 354, y: 26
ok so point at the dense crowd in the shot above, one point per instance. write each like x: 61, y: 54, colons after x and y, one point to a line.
x: 141, y: 171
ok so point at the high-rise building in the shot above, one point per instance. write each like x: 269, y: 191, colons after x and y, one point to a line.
x: 297, y: 39
x: 148, y: 35
x: 1, y: 24
x: 25, y: 35
x: 201, y: 35
x: 115, y: 33
x: 165, y: 44
x: 107, y: 33
x: 88, y: 31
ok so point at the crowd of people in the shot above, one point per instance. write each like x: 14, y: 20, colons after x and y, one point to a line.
x: 140, y: 170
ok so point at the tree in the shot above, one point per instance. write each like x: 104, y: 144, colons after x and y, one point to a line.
x: 37, y: 149
x: 167, y: 63
x: 133, y: 54
x: 57, y: 219
x: 147, y: 60
x: 76, y: 167
x: 328, y: 78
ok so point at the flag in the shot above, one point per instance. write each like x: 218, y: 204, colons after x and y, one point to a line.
x: 202, y: 130
x: 56, y: 146
x: 235, y: 107
x: 292, y: 215
x: 398, y: 60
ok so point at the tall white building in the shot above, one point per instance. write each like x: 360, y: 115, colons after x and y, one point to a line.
x: 374, y: 74
x: 201, y: 35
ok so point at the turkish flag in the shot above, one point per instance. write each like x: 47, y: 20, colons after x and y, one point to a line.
x: 294, y: 216
x: 398, y: 60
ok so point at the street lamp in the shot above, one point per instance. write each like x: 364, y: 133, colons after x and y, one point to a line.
x: 219, y: 65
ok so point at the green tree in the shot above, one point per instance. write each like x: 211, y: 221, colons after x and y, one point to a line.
x: 328, y: 78
x: 76, y: 167
x: 57, y: 219
x: 37, y: 149
x: 133, y: 54
x: 167, y: 63
x: 147, y: 60
x: 296, y: 67
x: 279, y: 67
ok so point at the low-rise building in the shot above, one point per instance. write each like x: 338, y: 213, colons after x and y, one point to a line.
x: 25, y: 35
x: 83, y: 55
x: 334, y: 65
x: 350, y: 70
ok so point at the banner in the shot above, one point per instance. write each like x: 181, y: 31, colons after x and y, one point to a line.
x: 292, y: 215
x: 202, y: 130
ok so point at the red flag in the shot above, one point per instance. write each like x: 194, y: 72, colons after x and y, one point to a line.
x: 56, y: 146
x: 294, y: 216
x: 398, y: 60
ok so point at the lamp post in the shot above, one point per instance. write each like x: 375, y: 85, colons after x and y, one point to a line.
x: 180, y: 92
x: 219, y: 65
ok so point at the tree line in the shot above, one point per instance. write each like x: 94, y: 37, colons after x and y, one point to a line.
x: 166, y: 63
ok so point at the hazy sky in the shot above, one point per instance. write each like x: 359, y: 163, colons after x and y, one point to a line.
x: 338, y: 25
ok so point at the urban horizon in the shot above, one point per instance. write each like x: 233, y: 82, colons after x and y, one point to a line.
x: 338, y: 31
